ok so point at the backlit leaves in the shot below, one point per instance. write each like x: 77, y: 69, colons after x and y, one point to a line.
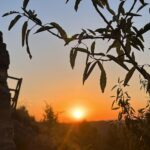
x: 141, y: 7
x: 129, y: 75
x: 24, y: 30
x: 60, y: 30
x: 10, y: 13
x: 93, y: 47
x: 88, y: 69
x: 118, y: 62
x: 103, y: 78
x: 77, y: 4
x: 44, y: 28
x: 73, y: 55
x: 126, y: 37
x: 144, y: 29
x: 25, y: 3
x: 14, y: 21
x: 27, y: 44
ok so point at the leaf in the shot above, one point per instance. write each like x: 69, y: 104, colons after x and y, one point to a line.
x: 129, y: 75
x: 73, y: 55
x: 67, y: 1
x: 99, y: 3
x: 77, y: 4
x: 144, y: 5
x: 109, y: 9
x: 115, y: 44
x: 25, y: 3
x: 27, y: 44
x: 24, y: 30
x: 133, y: 56
x: 115, y: 108
x: 37, y: 20
x: 91, y: 31
x: 45, y: 28
x: 10, y: 13
x: 121, y: 9
x: 103, y: 78
x: 82, y: 50
x: 60, y: 30
x: 93, y: 47
x: 142, y: 2
x: 144, y: 29
x: 133, y: 15
x: 81, y: 36
x: 14, y: 21
x: 120, y: 116
x: 114, y: 87
x: 118, y: 62
x: 88, y: 69
x: 68, y: 40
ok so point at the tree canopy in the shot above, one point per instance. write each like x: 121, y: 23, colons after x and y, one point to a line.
x: 119, y: 30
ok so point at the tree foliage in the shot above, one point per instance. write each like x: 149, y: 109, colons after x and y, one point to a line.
x: 120, y: 31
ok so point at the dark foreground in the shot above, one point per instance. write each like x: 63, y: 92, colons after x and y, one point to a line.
x: 49, y: 134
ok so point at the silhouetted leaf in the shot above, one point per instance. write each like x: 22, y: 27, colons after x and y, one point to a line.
x: 133, y: 15
x: 73, y: 55
x: 120, y: 116
x: 133, y: 56
x: 103, y: 78
x: 93, y: 47
x: 77, y: 4
x: 45, y: 28
x: 24, y: 29
x: 115, y: 108
x: 60, y: 29
x: 115, y: 44
x: 10, y: 13
x: 25, y: 3
x: 128, y: 46
x: 144, y: 29
x: 91, y: 31
x: 109, y: 9
x: 114, y: 87
x: 88, y: 69
x: 82, y: 50
x: 118, y: 62
x: 14, y: 21
x: 67, y: 1
x: 144, y: 5
x: 81, y: 37
x: 129, y: 75
x: 27, y: 44
x: 101, y: 30
x: 142, y: 2
x: 121, y: 9
x: 68, y: 40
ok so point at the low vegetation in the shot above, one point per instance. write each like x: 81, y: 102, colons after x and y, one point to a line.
x: 50, y: 134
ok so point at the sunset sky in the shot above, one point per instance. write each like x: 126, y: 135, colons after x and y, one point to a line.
x: 48, y: 77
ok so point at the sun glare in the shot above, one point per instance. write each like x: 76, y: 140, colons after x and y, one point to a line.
x: 78, y: 113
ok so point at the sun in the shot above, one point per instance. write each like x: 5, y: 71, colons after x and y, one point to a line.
x: 78, y: 113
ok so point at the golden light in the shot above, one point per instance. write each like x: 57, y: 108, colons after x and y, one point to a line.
x: 78, y: 113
